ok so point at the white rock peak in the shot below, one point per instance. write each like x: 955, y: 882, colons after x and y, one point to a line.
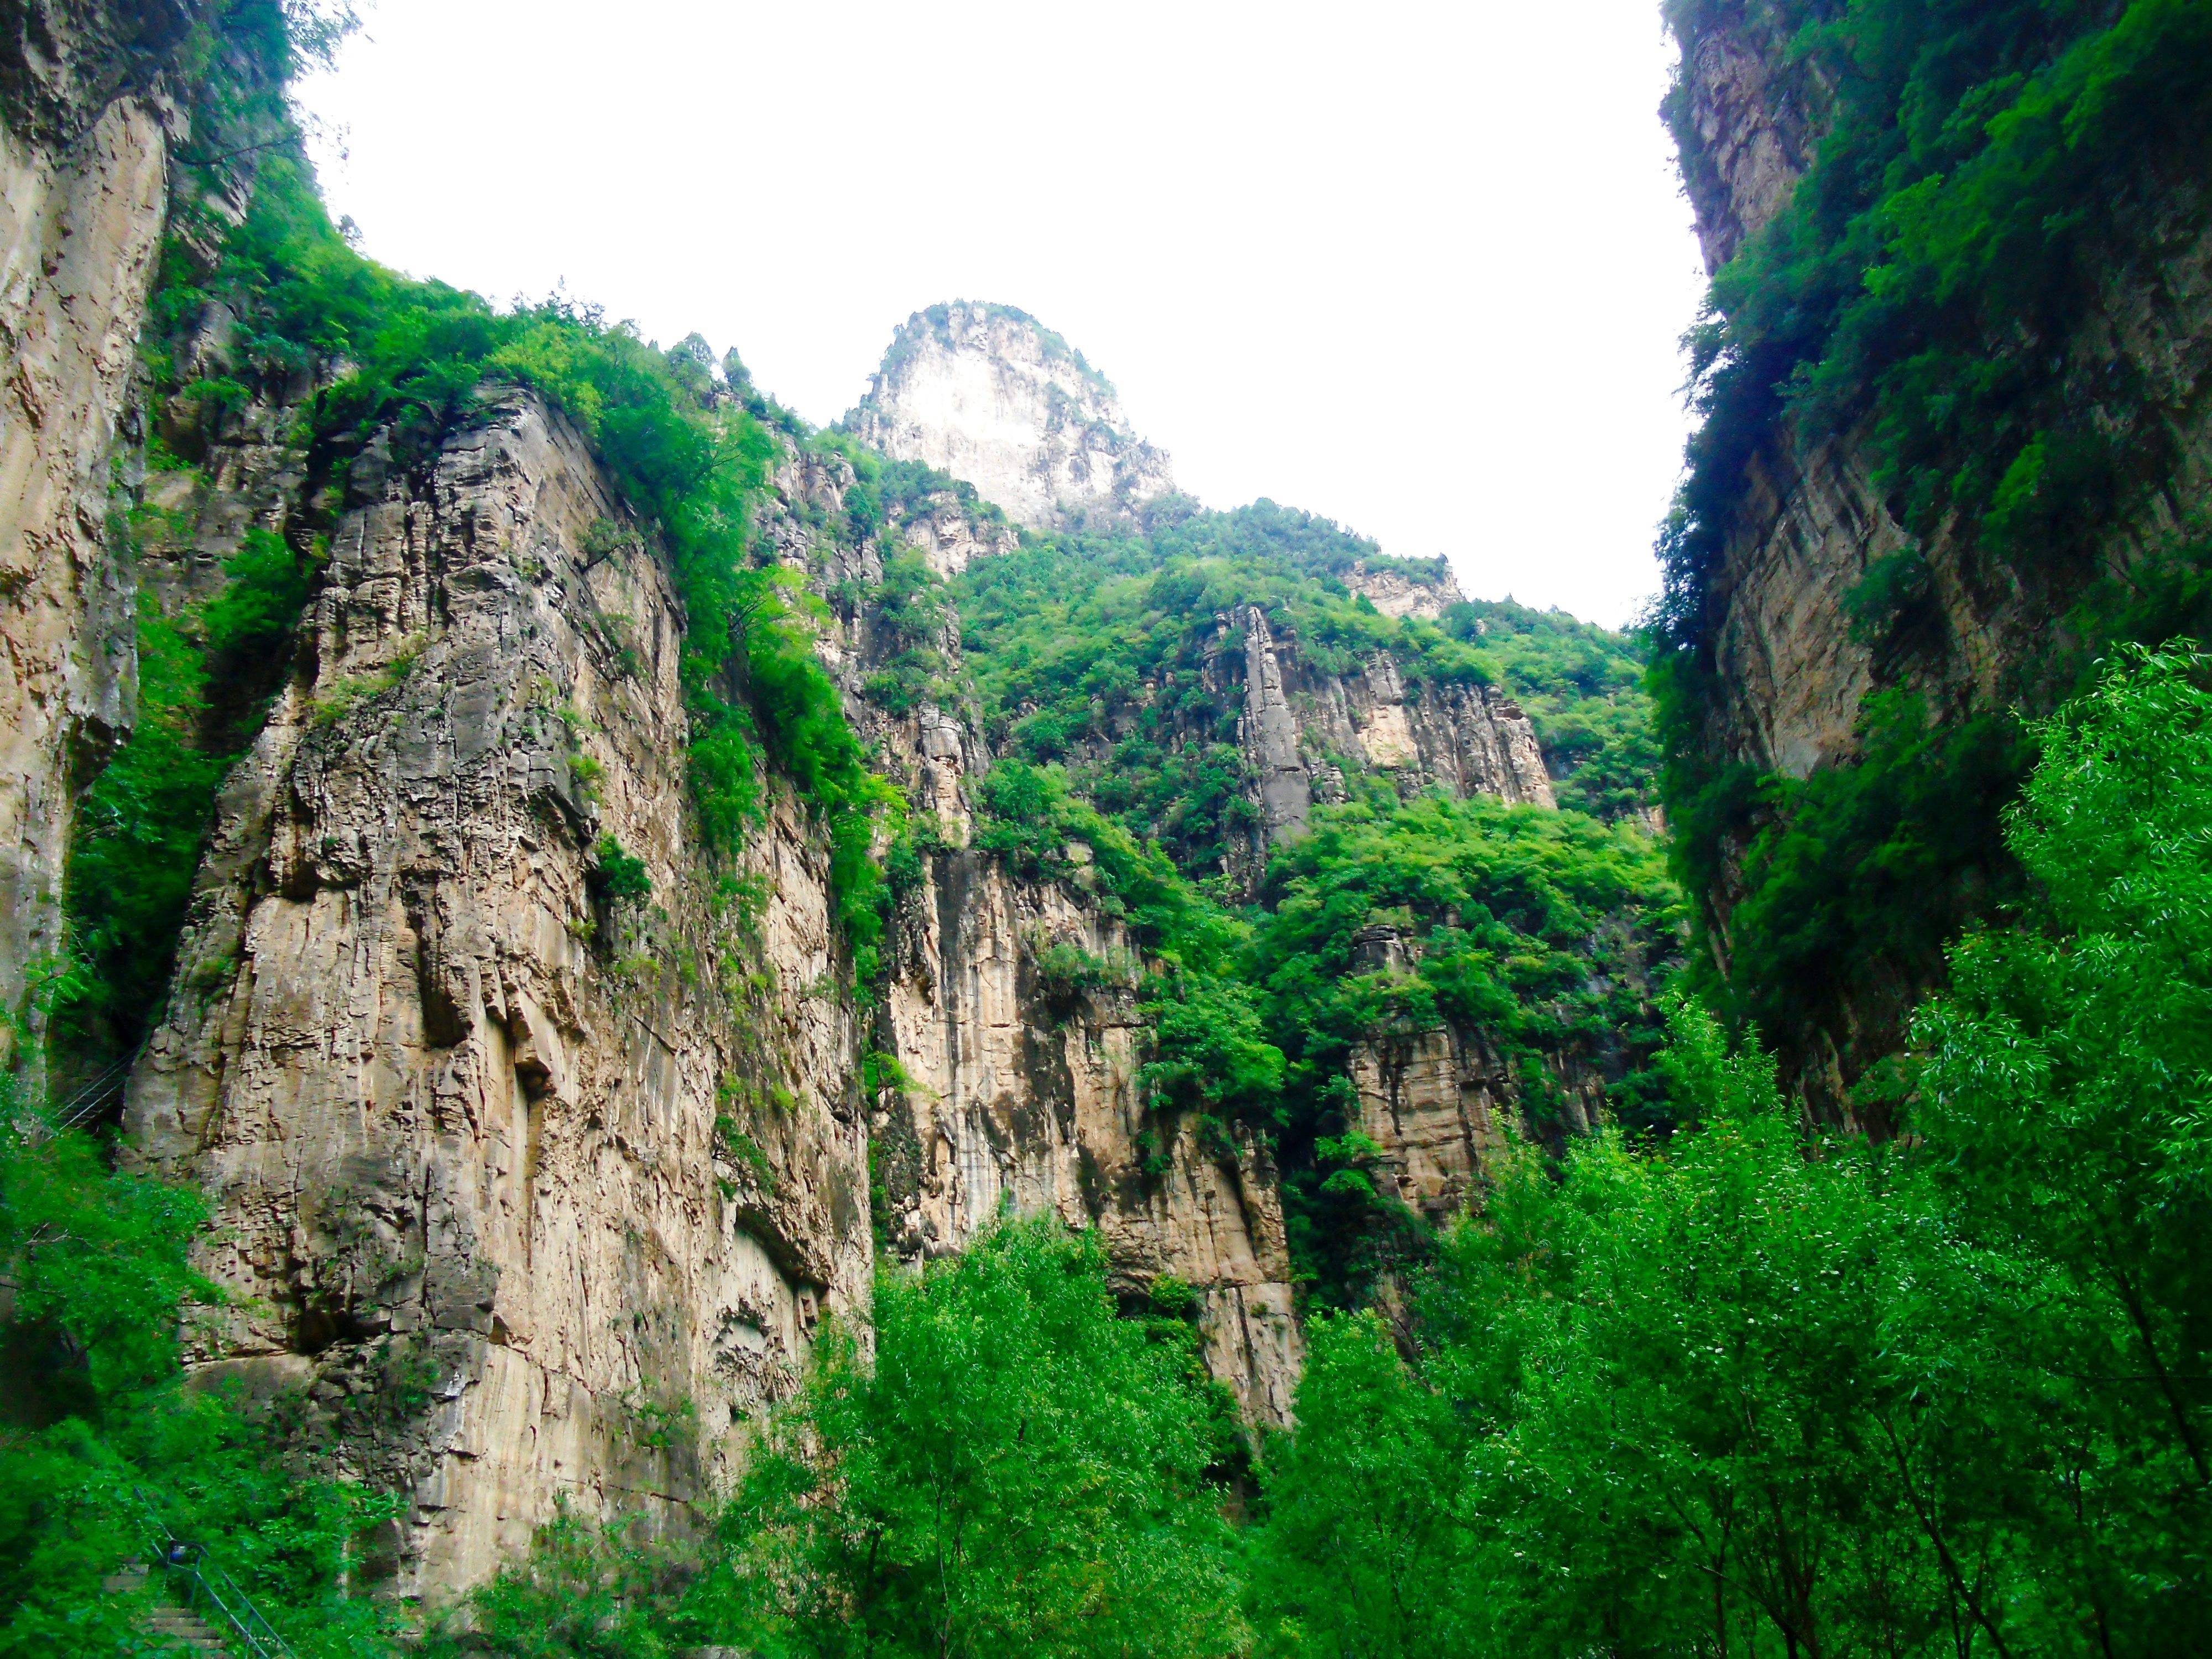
x: 990, y: 395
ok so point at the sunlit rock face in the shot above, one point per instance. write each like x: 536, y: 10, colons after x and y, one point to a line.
x: 1019, y: 1094
x: 990, y: 395
x: 536, y: 1195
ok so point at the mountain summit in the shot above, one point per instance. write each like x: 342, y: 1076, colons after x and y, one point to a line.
x: 989, y: 394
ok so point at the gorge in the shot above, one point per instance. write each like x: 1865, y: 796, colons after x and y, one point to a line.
x: 554, y: 915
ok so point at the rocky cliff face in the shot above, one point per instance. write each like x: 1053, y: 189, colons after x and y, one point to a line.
x: 1747, y: 117
x: 949, y: 537
x: 513, y: 1178
x: 1983, y: 627
x: 989, y: 394
x: 1304, y: 726
x: 1440, y: 1102
x: 1016, y: 1093
x: 85, y: 129
x: 1010, y: 1091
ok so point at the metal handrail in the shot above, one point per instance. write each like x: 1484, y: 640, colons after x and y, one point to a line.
x: 205, y: 1580
x: 95, y: 1094
x: 86, y: 1104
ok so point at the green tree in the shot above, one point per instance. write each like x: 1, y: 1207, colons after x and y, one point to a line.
x: 1363, y: 1552
x: 1745, y: 1391
x: 1018, y: 1471
x: 98, y: 1435
x: 2067, y: 1099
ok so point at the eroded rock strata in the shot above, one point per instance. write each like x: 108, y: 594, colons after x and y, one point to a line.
x: 461, y: 1118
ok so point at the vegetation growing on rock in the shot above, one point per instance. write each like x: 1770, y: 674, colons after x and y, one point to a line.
x: 1963, y: 298
x: 1670, y: 1372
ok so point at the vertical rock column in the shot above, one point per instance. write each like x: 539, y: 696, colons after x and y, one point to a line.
x: 80, y: 227
x: 1271, y: 737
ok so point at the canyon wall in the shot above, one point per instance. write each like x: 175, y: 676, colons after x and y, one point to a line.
x: 537, y: 1193
x: 85, y: 130
x: 1440, y: 1102
x: 1809, y: 519
x: 1981, y: 627
x: 1016, y: 1094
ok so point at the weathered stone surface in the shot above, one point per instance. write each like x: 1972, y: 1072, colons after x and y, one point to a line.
x: 1750, y: 133
x: 1270, y: 730
x: 64, y: 63
x: 1440, y: 1102
x: 1022, y: 1096
x: 1397, y: 594
x: 458, y: 1115
x: 987, y: 394
x: 1302, y: 724
x: 950, y: 538
x: 81, y: 205
x: 1809, y: 522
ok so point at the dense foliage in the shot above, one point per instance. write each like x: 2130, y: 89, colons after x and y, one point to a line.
x: 1745, y: 1395
x: 1981, y: 173
x: 1100, y: 652
x: 1014, y: 1469
x: 1691, y: 1383
x: 101, y: 1442
x: 1096, y: 662
x: 1538, y: 935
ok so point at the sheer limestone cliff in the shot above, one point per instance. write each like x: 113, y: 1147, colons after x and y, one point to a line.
x: 85, y: 130
x: 1440, y: 1102
x: 578, y: 1167
x: 1016, y: 1093
x: 1303, y: 726
x: 989, y: 394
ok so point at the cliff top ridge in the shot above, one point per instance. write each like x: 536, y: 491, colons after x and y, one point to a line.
x: 987, y: 393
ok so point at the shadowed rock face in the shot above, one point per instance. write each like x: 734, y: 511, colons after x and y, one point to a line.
x: 84, y: 193
x: 1436, y: 1102
x: 1792, y: 672
x: 458, y: 1117
x: 987, y: 394
x: 1749, y: 120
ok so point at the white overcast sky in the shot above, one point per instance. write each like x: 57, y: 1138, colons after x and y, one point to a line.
x: 1419, y: 267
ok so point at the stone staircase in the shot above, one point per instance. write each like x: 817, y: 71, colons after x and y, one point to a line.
x: 173, y: 1627
x: 176, y: 1627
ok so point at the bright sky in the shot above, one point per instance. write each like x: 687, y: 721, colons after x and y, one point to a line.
x: 1418, y: 267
